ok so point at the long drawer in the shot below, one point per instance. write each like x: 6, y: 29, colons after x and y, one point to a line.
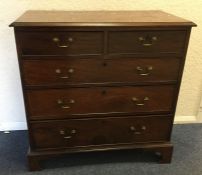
x: 60, y: 43
x: 147, y: 42
x: 89, y: 132
x: 80, y: 71
x: 63, y: 103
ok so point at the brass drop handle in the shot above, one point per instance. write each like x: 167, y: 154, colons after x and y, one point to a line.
x: 147, y: 41
x: 64, y: 77
x: 65, y: 136
x: 57, y: 41
x: 63, y: 105
x: 137, y: 132
x: 138, y: 102
x: 144, y: 71
x: 59, y: 72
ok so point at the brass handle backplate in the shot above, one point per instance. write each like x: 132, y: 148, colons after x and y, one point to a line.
x: 139, y: 102
x: 67, y: 134
x: 139, y: 130
x: 58, y: 42
x: 65, y: 75
x: 147, y: 41
x: 65, y: 105
x: 144, y: 71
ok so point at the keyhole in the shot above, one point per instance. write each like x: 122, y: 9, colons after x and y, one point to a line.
x: 104, y: 92
x: 104, y: 64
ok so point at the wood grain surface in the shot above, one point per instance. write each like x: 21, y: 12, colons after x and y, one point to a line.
x: 75, y: 133
x: 100, y: 80
x: 99, y: 18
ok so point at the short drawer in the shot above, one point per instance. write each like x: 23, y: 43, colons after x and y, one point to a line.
x: 85, y: 132
x: 80, y: 71
x: 60, y: 43
x: 74, y: 102
x: 147, y: 42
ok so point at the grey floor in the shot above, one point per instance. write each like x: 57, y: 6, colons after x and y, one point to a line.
x: 187, y: 158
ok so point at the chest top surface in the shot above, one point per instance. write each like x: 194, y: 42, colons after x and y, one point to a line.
x: 100, y: 18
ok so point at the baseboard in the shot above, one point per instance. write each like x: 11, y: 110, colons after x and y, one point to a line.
x: 9, y: 126
x: 185, y: 119
x: 199, y: 116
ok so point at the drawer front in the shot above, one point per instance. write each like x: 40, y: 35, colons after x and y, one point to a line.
x: 60, y: 43
x: 85, y: 132
x: 147, y: 42
x: 78, y: 71
x: 54, y: 104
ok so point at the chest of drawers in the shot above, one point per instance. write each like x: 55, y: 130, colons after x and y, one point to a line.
x: 97, y: 81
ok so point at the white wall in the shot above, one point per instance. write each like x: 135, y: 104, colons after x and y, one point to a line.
x: 11, y: 105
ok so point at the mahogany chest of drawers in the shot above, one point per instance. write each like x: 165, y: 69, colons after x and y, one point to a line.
x: 100, y: 80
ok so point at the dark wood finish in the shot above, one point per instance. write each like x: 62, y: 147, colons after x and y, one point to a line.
x: 147, y: 42
x: 89, y: 132
x: 34, y: 163
x: 165, y: 154
x: 162, y: 150
x: 67, y: 43
x: 100, y: 18
x: 100, y: 100
x: 103, y: 80
x: 91, y: 71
